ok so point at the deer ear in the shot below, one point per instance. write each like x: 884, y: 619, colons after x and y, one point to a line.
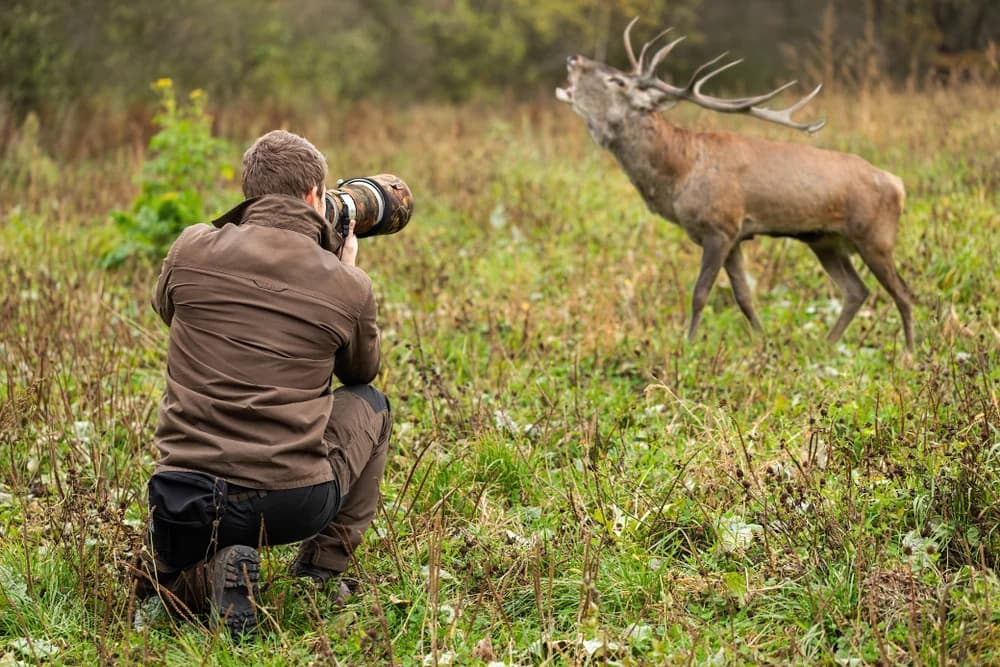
x: 650, y: 99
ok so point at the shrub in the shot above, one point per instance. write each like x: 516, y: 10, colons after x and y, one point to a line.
x: 184, y: 161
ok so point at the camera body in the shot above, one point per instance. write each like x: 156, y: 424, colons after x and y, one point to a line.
x: 380, y: 204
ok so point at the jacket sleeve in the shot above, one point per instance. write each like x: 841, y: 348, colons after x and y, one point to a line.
x: 162, y: 302
x: 357, y: 362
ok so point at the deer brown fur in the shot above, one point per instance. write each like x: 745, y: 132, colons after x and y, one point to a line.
x: 724, y: 188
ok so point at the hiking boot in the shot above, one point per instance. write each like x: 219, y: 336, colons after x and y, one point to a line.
x: 321, y: 578
x: 184, y: 593
x: 319, y: 575
x: 233, y: 576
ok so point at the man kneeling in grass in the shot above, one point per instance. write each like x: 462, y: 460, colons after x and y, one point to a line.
x: 264, y: 307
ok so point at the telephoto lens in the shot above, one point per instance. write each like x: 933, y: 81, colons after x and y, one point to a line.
x: 379, y: 204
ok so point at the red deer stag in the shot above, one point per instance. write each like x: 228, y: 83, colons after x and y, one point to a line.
x: 724, y: 188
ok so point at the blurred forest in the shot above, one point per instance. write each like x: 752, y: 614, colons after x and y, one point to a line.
x: 309, y: 54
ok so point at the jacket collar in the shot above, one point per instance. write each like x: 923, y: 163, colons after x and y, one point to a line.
x: 283, y: 212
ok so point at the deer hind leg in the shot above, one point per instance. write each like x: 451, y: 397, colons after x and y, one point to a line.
x: 741, y: 289
x: 837, y: 264
x: 881, y: 264
x: 715, y: 249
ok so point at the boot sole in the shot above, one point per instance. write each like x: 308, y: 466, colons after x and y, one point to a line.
x: 235, y: 578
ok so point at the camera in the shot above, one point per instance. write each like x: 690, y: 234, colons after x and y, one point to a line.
x: 379, y: 204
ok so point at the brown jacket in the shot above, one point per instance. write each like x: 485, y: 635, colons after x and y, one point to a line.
x: 261, y: 315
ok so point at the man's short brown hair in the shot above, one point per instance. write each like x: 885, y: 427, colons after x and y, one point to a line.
x: 282, y: 163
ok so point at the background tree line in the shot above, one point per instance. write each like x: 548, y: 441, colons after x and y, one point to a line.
x: 54, y: 52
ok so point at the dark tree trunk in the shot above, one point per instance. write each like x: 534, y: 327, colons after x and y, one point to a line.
x: 964, y: 24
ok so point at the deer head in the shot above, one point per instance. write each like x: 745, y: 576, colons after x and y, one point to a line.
x: 605, y: 96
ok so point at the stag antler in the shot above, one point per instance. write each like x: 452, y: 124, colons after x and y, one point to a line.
x: 692, y: 91
x: 637, y: 64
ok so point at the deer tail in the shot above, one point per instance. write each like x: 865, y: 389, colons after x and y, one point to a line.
x: 899, y: 191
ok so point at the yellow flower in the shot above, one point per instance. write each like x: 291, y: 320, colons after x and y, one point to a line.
x: 164, y: 82
x: 197, y: 93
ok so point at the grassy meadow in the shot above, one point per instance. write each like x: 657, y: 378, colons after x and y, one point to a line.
x: 570, y: 482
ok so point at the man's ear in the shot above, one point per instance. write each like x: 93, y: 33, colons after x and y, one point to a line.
x: 312, y: 195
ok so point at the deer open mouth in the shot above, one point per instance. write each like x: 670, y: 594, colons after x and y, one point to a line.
x: 566, y: 94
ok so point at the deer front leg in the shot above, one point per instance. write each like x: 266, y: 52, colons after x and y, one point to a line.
x: 741, y: 289
x: 714, y: 252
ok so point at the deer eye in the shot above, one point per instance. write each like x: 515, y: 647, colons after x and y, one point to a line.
x: 617, y: 80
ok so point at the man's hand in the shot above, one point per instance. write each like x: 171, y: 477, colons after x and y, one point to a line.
x: 349, y: 252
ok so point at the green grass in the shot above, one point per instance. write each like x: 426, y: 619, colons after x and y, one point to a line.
x: 570, y: 481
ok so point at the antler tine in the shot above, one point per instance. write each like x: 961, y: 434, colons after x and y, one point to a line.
x: 754, y: 101
x: 645, y: 47
x: 697, y: 73
x: 805, y: 100
x: 628, y: 44
x: 661, y: 54
x: 738, y: 104
x: 784, y: 116
x: 696, y: 89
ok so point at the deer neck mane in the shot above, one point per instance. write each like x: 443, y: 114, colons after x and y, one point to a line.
x: 648, y: 146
